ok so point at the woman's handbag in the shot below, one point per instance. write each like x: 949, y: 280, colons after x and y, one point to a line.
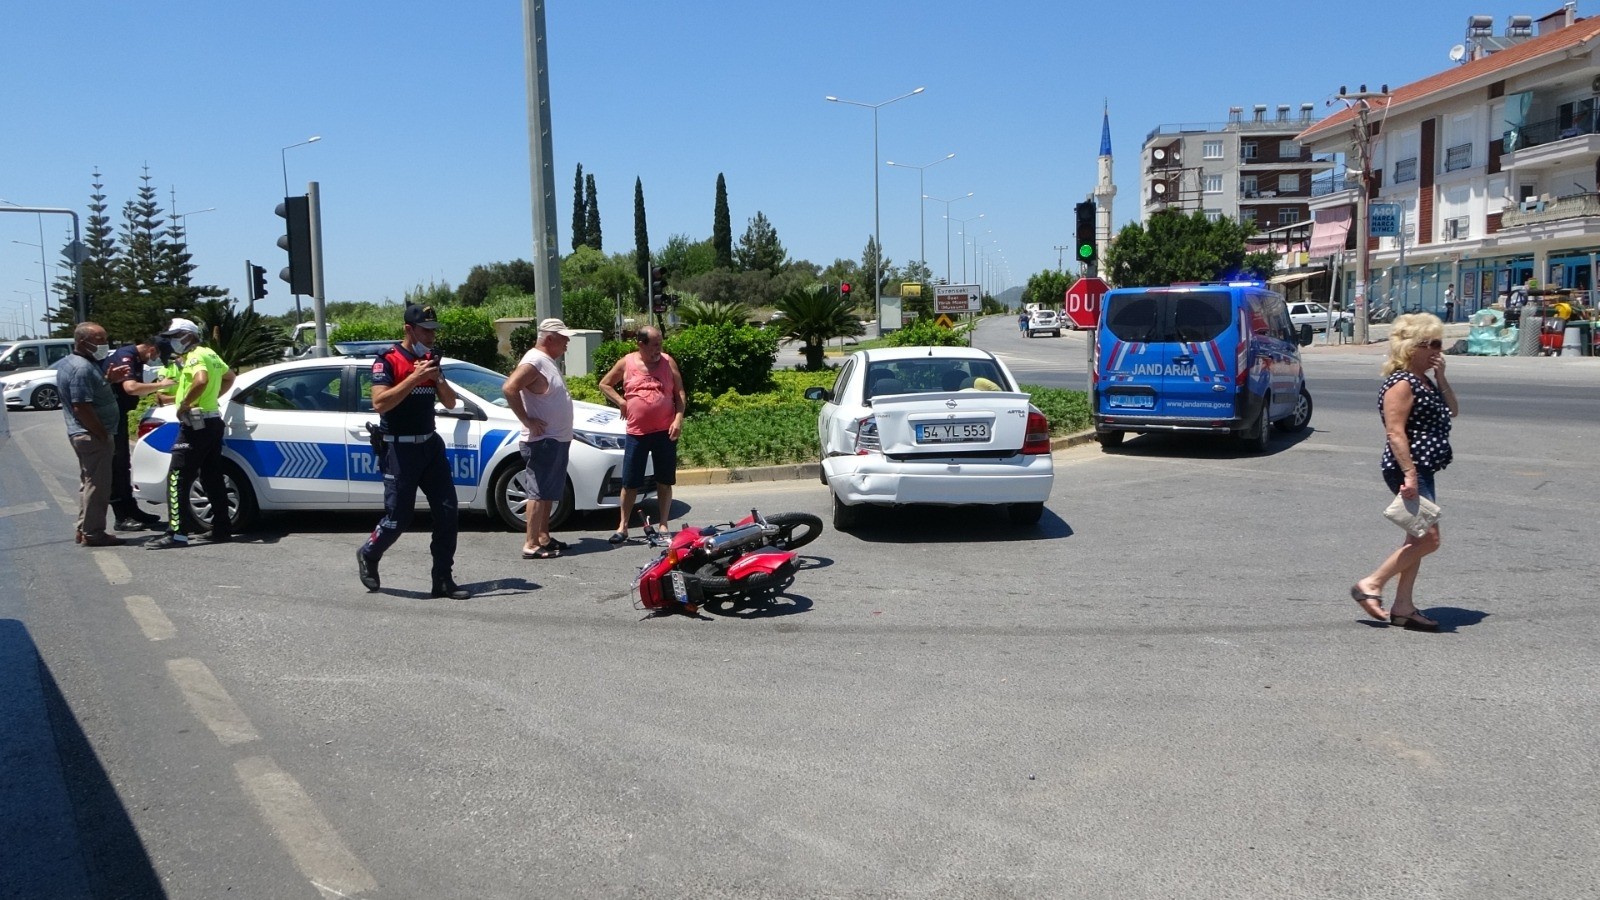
x: 1416, y: 515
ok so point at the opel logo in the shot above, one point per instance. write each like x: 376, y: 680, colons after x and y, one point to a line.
x: 950, y: 404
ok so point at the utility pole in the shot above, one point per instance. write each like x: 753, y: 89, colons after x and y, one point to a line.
x: 1059, y: 250
x: 1361, y: 146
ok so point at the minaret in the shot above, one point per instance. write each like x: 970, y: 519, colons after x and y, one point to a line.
x: 1104, y: 190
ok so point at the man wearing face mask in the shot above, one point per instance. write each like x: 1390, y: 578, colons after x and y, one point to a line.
x: 202, y: 378
x: 128, y: 389
x: 406, y: 382
x: 91, y: 411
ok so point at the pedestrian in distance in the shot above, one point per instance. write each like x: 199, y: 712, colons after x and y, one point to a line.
x: 1022, y: 322
x: 131, y: 359
x: 406, y: 383
x: 1450, y: 302
x: 537, y: 393
x: 202, y: 378
x: 90, y: 408
x: 647, y: 388
x: 1416, y: 411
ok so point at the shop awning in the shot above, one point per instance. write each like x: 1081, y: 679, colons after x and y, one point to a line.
x: 1329, y: 229
x: 1293, y: 278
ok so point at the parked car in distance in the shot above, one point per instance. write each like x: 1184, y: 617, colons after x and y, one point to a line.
x: 296, y: 438
x: 1315, y: 315
x: 941, y: 426
x: 35, y: 387
x: 1044, y: 320
x: 33, y: 353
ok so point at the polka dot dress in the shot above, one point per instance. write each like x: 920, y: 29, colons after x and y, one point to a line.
x: 1428, y: 426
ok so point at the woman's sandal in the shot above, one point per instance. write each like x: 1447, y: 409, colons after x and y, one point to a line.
x: 620, y: 537
x: 547, y: 551
x: 1414, y: 622
x: 1362, y: 598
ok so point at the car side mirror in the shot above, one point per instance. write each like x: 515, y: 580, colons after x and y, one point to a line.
x: 818, y: 393
x: 8, y: 365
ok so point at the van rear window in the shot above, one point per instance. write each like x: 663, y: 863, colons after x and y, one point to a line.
x: 1169, y: 317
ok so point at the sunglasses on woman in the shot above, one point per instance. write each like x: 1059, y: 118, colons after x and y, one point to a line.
x: 1432, y: 345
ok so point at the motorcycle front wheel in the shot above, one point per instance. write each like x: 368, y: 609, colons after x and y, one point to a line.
x: 795, y: 529
x: 715, y: 583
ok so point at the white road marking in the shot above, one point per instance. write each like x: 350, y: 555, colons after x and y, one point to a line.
x: 318, y: 851
x: 20, y: 508
x: 210, y: 702
x: 149, y: 617
x: 64, y: 499
x: 112, y: 567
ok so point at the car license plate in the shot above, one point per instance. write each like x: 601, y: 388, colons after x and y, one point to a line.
x: 953, y: 433
x: 1132, y: 401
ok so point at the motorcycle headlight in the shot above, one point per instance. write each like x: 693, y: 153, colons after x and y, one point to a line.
x: 600, y: 440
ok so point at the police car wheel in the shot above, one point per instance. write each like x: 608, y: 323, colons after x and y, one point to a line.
x: 241, y: 500
x: 511, y: 493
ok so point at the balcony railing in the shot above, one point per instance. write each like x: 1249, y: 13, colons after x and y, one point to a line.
x: 1405, y: 170
x: 1458, y: 157
x: 1537, y: 211
x: 1550, y: 131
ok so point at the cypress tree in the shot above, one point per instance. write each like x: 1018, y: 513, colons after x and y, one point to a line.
x: 580, y: 212
x: 592, y: 220
x: 641, y: 237
x: 722, y: 228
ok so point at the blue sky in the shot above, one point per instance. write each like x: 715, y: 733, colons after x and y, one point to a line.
x: 421, y: 109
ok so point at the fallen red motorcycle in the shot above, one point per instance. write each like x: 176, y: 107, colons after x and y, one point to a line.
x: 738, y: 561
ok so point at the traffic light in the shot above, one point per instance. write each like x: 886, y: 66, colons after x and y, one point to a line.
x: 258, y: 281
x: 844, y: 291
x: 296, y: 212
x: 658, y: 290
x: 1085, y: 244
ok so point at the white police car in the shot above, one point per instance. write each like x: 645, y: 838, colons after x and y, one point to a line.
x: 296, y: 438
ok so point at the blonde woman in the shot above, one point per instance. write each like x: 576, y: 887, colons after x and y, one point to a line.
x: 1416, y: 411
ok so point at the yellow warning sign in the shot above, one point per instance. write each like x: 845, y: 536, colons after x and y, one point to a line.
x: 944, y: 321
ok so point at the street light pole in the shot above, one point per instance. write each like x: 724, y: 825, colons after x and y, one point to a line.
x: 283, y: 157
x: 964, y: 242
x: 29, y: 295
x: 922, y: 205
x: 947, y: 229
x: 877, y: 225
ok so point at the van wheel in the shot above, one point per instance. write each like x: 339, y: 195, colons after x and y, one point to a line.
x: 1301, y: 417
x: 1109, y: 439
x: 1259, y: 435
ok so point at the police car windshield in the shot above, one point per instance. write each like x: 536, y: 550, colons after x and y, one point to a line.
x: 1168, y: 316
x: 480, y: 382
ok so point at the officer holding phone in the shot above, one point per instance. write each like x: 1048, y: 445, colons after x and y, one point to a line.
x: 406, y: 382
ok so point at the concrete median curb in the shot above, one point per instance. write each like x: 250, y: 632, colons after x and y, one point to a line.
x: 810, y: 471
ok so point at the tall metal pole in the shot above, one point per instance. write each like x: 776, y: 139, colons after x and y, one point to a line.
x: 318, y: 295
x: 877, y: 229
x: 541, y: 162
x: 922, y: 204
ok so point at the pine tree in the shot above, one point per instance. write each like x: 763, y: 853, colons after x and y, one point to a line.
x: 580, y: 211
x: 591, y: 222
x: 98, y: 271
x: 759, y: 249
x: 641, y: 237
x: 722, y: 228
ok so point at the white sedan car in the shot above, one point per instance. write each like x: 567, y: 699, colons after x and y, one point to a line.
x: 35, y: 387
x: 1315, y: 315
x: 944, y: 426
x: 297, y: 439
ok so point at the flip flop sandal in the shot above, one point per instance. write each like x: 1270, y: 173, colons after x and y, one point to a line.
x: 620, y: 537
x: 544, y: 552
x: 1361, y: 597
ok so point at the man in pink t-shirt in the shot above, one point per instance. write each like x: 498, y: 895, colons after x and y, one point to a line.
x: 647, y: 387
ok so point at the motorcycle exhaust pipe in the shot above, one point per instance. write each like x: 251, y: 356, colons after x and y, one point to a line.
x: 734, y: 539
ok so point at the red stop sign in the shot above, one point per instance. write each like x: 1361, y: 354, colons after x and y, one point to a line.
x: 1083, y: 301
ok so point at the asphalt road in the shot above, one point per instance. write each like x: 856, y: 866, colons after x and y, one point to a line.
x: 1161, y: 691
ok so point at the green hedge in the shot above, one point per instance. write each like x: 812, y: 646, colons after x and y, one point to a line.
x: 714, y: 359
x: 923, y: 333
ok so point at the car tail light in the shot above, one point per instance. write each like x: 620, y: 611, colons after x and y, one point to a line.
x: 867, y: 436
x: 146, y: 426
x: 1036, y: 440
x: 1240, y: 374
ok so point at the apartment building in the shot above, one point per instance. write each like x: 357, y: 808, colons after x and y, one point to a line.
x: 1493, y: 163
x: 1252, y: 167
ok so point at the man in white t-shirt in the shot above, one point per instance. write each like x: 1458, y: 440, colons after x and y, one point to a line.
x: 537, y: 393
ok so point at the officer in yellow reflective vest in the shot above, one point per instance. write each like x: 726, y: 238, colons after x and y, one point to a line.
x: 202, y: 377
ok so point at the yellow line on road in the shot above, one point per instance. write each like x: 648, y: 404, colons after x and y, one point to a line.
x: 210, y: 702
x: 149, y: 617
x: 318, y: 851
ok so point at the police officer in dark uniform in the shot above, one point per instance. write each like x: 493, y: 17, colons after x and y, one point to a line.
x: 406, y: 381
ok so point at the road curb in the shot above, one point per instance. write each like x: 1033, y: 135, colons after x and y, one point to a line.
x: 807, y: 471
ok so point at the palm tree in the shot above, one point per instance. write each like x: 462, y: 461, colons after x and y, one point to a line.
x: 694, y: 311
x: 242, y: 339
x: 812, y: 315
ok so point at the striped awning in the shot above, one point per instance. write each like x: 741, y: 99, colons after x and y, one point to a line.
x: 1329, y: 229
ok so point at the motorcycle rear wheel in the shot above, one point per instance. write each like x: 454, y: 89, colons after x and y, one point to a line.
x: 715, y: 583
x: 795, y: 529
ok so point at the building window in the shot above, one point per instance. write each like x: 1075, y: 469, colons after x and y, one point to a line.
x: 1458, y: 157
x: 1247, y: 187
x: 1288, y: 150
x: 1247, y: 217
x: 1288, y: 184
x: 1458, y: 229
x: 1213, y: 184
x: 1213, y: 215
x: 1212, y: 150
x: 1248, y: 150
x: 1288, y: 215
x: 1405, y: 170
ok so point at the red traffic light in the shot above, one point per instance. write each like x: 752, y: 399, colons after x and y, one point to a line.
x: 844, y: 288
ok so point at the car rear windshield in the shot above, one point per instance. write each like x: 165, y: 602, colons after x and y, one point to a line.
x: 1168, y: 317
x: 927, y: 376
